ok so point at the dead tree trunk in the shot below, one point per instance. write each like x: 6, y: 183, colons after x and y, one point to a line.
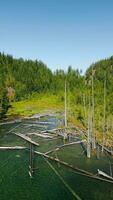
x: 93, y: 121
x: 104, y: 120
x: 89, y: 131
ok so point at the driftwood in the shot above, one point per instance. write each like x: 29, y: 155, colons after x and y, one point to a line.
x: 40, y: 135
x: 13, y: 148
x: 26, y: 138
x: 101, y: 173
x: 11, y: 122
x: 106, y: 149
x: 35, y: 124
x: 65, y: 145
x: 78, y: 170
x: 38, y: 116
x: 44, y: 123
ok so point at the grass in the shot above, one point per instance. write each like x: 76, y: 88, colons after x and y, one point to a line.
x: 48, y: 103
x: 37, y: 104
x: 44, y: 103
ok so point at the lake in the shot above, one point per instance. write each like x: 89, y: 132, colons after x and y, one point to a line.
x: 51, y: 181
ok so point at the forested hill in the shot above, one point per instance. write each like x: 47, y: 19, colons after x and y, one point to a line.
x: 103, y: 69
x: 103, y: 76
x: 21, y: 78
x: 26, y: 77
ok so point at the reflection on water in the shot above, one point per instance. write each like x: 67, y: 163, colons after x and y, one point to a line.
x: 15, y: 182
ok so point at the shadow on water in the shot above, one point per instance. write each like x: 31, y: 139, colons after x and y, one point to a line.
x: 84, y: 148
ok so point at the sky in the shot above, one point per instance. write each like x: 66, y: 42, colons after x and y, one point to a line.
x: 58, y: 32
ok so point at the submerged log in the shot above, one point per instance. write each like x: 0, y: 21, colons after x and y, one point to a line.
x: 41, y: 135
x: 106, y: 149
x: 11, y: 122
x: 104, y: 174
x: 76, y: 169
x: 26, y: 138
x: 37, y: 125
x: 13, y: 148
x: 65, y: 145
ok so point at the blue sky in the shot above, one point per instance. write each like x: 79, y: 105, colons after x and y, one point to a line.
x: 58, y: 32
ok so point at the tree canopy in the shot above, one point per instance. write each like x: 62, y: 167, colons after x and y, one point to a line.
x: 21, y: 78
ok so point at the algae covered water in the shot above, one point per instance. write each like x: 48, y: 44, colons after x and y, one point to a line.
x: 51, y: 181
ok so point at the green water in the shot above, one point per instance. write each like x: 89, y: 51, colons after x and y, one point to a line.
x: 15, y: 183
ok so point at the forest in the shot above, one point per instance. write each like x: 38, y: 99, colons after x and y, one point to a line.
x: 22, y: 80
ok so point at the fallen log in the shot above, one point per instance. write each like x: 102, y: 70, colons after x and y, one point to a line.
x: 13, y: 148
x: 37, y: 125
x: 101, y: 173
x: 107, y: 150
x: 26, y: 138
x: 76, y: 169
x: 65, y: 145
x: 41, y: 135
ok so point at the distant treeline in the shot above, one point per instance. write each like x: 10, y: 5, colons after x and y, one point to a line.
x: 26, y: 77
x: 20, y: 78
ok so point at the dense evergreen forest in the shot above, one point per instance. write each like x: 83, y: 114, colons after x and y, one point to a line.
x: 19, y: 79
